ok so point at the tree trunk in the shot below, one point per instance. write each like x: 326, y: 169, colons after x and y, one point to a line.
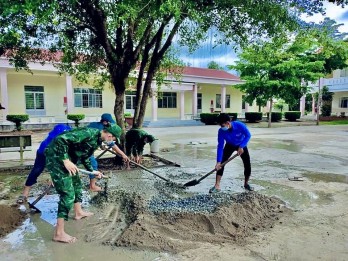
x: 119, y: 84
x: 270, y: 113
x: 138, y: 122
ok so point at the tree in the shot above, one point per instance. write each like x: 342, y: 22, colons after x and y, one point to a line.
x: 274, y: 69
x: 214, y: 65
x: 115, y: 39
x: 331, y: 49
x: 280, y: 104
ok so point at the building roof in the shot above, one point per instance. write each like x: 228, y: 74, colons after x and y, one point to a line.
x: 209, y: 73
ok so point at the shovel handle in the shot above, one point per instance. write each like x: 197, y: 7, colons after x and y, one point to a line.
x: 41, y: 195
x: 140, y: 166
x: 213, y: 170
x: 86, y: 172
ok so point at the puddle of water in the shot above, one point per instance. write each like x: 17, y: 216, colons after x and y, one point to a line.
x: 33, y: 239
x: 297, y: 199
x: 289, y: 145
x: 326, y: 177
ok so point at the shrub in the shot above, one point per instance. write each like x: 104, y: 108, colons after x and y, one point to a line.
x: 76, y: 118
x: 233, y: 115
x: 326, y: 110
x: 276, y: 116
x: 292, y: 115
x: 209, y: 118
x: 17, y: 119
x: 127, y: 114
x: 253, y: 116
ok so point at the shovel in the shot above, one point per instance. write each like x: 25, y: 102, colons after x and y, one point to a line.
x: 146, y: 169
x: 32, y: 205
x: 197, y: 181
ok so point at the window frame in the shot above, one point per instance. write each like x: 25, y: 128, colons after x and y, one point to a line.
x: 85, y: 97
x: 167, y: 100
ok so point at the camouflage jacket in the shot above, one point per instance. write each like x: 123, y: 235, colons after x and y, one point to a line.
x: 77, y: 145
x: 135, y: 140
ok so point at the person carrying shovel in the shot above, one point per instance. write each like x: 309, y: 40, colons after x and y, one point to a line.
x: 105, y: 120
x: 232, y: 136
x: 62, y: 155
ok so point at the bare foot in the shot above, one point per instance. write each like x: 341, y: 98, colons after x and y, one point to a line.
x: 95, y: 188
x: 83, y: 214
x: 64, y: 238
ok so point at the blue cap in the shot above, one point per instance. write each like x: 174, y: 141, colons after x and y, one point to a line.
x: 107, y: 117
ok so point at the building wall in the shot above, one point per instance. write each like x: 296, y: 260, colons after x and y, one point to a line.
x: 54, y: 91
x: 336, y: 103
x: 108, y: 95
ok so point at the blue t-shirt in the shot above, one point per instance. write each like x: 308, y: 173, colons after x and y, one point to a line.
x: 58, y: 129
x: 239, y: 136
x: 96, y: 125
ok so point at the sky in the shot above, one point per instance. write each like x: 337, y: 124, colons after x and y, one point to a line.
x: 224, y: 55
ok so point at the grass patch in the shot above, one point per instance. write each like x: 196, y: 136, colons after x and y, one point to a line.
x: 335, y: 122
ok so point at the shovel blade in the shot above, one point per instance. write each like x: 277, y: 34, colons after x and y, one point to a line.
x: 191, y: 183
x: 32, y: 207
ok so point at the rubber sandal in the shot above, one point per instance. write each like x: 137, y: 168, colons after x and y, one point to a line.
x: 214, y: 190
x: 248, y: 187
x: 21, y: 199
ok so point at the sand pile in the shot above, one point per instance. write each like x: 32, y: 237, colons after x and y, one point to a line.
x: 129, y: 221
x: 10, y: 218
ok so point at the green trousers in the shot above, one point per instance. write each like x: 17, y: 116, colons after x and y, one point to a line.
x: 68, y: 187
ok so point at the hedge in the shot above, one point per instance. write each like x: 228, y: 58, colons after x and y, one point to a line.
x: 209, y: 118
x: 233, y: 115
x: 292, y: 115
x: 17, y: 119
x: 253, y: 116
x: 276, y: 116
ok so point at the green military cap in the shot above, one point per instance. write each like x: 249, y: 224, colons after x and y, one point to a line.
x: 150, y: 138
x: 114, y: 129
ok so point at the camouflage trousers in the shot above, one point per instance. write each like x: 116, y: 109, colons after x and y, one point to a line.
x: 68, y: 187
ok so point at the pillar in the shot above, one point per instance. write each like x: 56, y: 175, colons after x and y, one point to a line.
x: 182, y: 105
x: 303, y: 105
x: 69, y: 94
x: 4, y: 93
x: 154, y: 105
x: 194, y: 100
x: 223, y: 98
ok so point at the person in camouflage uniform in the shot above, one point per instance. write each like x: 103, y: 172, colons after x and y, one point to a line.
x: 62, y: 155
x: 105, y: 120
x: 135, y: 142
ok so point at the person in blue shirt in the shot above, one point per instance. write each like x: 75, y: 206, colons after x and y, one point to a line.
x: 232, y: 136
x: 40, y: 161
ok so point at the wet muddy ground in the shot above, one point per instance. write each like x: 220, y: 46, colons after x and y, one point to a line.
x: 317, y: 228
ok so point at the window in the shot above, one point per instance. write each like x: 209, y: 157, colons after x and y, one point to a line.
x: 130, y: 100
x: 34, y: 100
x: 344, y: 102
x: 167, y: 100
x: 199, y: 101
x: 344, y: 72
x: 88, y: 98
x: 227, y: 102
x: 243, y: 102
